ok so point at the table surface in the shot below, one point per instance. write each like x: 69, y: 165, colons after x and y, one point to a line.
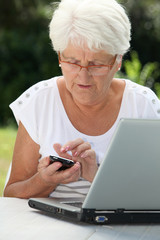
x: 19, y: 221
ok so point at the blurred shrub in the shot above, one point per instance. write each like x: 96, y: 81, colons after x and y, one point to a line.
x: 142, y: 74
x: 145, y: 20
x: 26, y: 55
x: 24, y: 60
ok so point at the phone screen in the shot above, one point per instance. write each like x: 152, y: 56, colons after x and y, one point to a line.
x: 67, y: 163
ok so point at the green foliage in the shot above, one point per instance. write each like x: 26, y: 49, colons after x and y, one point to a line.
x: 133, y: 68
x: 7, y: 139
x: 143, y: 75
x: 22, y: 14
x: 145, y: 21
x: 157, y: 89
x: 24, y: 60
x: 26, y: 54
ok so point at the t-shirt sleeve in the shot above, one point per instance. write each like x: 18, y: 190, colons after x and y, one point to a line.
x: 32, y: 107
x: 150, y: 105
x: 24, y: 110
x: 141, y: 102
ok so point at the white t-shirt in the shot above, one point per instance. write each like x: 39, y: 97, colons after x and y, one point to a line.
x: 41, y: 111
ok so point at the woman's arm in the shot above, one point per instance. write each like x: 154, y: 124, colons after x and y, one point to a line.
x: 24, y: 180
x: 32, y: 179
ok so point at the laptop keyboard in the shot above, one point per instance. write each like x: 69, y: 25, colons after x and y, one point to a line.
x: 75, y: 204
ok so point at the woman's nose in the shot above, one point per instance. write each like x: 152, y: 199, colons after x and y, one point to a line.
x: 84, y: 71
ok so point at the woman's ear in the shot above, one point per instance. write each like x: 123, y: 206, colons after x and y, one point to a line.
x: 119, y: 61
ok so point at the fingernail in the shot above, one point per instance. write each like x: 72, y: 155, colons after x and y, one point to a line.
x: 75, y: 154
x: 64, y: 149
x: 77, y: 165
x: 83, y: 155
x: 67, y: 148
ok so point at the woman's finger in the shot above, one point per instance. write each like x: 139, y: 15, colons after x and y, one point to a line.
x: 88, y: 153
x: 71, y: 145
x: 57, y: 148
x: 81, y: 149
x: 43, y: 163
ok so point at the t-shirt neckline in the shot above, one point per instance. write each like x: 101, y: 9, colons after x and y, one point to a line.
x: 60, y: 104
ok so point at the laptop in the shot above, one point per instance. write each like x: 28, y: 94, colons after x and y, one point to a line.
x: 126, y: 188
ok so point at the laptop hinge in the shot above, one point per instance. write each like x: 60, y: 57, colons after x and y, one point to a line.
x: 120, y: 210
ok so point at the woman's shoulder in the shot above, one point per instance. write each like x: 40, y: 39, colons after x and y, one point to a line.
x: 37, y: 92
x: 142, y: 97
x: 40, y: 88
x: 139, y: 90
x: 134, y: 89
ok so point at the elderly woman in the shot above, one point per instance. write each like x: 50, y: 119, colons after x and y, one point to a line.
x: 76, y: 114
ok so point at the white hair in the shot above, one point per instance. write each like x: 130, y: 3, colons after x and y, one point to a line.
x: 101, y: 24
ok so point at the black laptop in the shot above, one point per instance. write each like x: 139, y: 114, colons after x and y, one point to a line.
x: 126, y: 188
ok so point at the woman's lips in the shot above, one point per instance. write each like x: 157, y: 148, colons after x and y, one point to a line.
x: 84, y: 86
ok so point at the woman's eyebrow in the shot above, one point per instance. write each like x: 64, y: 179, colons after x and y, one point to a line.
x: 102, y: 61
x: 72, y: 58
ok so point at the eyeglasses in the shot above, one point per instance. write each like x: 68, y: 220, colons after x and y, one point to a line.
x: 95, y: 70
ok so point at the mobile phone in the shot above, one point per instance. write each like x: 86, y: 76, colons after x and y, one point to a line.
x: 67, y: 163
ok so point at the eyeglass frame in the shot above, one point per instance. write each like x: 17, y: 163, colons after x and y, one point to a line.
x: 86, y: 67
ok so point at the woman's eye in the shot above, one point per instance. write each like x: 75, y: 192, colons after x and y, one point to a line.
x: 94, y: 64
x: 73, y: 62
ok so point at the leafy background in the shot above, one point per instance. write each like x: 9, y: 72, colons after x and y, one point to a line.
x: 26, y: 55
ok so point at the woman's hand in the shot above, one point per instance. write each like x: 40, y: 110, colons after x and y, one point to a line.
x: 82, y: 153
x: 50, y: 174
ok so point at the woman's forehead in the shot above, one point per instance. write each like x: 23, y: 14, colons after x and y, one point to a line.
x: 78, y: 52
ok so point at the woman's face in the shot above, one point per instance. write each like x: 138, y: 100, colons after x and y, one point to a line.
x: 84, y: 87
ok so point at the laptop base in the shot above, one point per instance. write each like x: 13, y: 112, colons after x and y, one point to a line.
x: 100, y: 217
x: 120, y: 217
x: 55, y: 211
